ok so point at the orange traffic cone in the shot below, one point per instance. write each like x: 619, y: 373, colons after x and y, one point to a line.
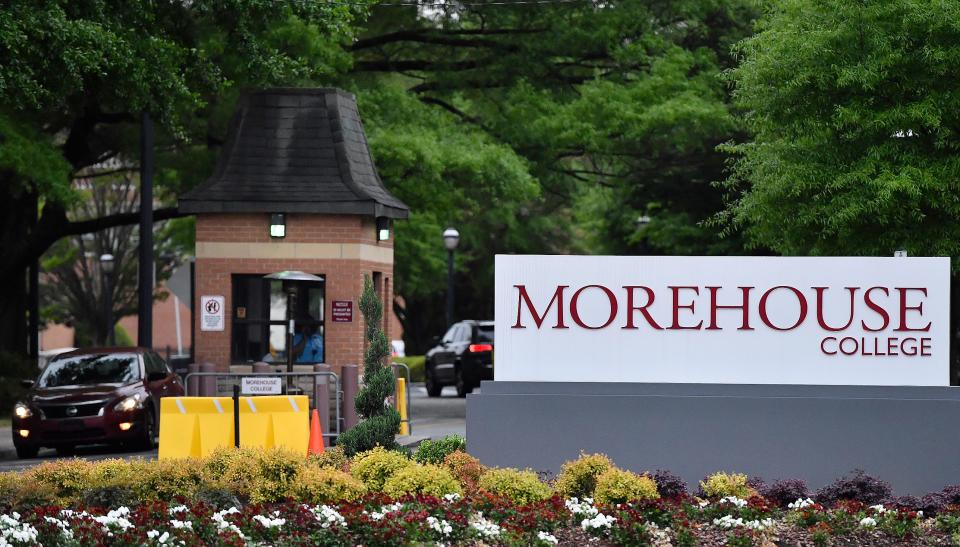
x: 315, y: 447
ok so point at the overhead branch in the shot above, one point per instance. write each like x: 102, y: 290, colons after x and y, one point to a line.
x: 78, y: 227
x: 414, y: 64
x: 452, y: 109
x: 441, y: 37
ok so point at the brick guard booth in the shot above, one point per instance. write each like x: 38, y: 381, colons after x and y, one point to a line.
x: 295, y: 188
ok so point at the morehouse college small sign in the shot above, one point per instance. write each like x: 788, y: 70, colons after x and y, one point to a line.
x: 745, y: 320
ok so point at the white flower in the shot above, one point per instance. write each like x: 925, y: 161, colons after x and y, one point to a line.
x: 161, y: 538
x: 585, y: 507
x: 451, y: 498
x: 868, y: 521
x: 728, y: 521
x: 735, y: 501
x: 327, y: 516
x: 879, y: 508
x: 485, y: 528
x: 385, y: 510
x: 115, y: 518
x: 178, y: 524
x: 801, y: 504
x: 178, y: 509
x: 599, y: 521
x: 14, y: 531
x: 63, y: 525
x: 223, y: 524
x: 267, y: 522
x: 547, y: 538
x: 440, y: 525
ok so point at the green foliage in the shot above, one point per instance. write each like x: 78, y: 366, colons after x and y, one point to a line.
x: 619, y: 486
x: 430, y: 451
x: 324, y: 485
x: 375, y: 466
x: 109, y: 497
x: 430, y: 480
x: 333, y: 458
x: 722, y: 484
x: 578, y: 478
x: 520, y: 486
x: 381, y: 421
x: 853, y: 109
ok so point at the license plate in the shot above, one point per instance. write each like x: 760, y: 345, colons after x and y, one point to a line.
x: 71, y: 425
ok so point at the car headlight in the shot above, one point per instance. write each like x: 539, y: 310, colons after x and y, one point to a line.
x: 129, y: 403
x: 22, y: 411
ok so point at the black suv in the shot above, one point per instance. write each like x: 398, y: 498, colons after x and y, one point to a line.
x: 463, y: 357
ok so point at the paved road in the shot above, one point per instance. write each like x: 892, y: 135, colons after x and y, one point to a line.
x: 431, y: 418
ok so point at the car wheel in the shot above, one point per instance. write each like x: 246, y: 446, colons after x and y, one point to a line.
x: 66, y: 450
x: 462, y: 387
x: 27, y: 452
x: 149, y: 439
x: 433, y: 388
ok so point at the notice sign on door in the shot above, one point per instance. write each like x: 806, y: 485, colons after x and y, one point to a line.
x: 342, y: 311
x: 211, y: 313
x: 261, y: 386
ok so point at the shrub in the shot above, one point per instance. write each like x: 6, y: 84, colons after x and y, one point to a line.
x: 519, y: 486
x: 108, y: 497
x: 856, y: 486
x: 166, y: 480
x: 381, y: 421
x: 466, y: 469
x: 374, y: 467
x: 27, y: 494
x: 431, y: 480
x: 332, y: 458
x: 323, y: 484
x: 258, y: 474
x: 668, y: 484
x: 785, y: 492
x: 619, y: 486
x: 67, y: 478
x: 722, y: 484
x: 578, y: 478
x: 218, y: 498
x: 435, y: 451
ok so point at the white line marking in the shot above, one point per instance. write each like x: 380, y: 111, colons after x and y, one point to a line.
x: 180, y: 404
x: 250, y: 404
x: 293, y: 404
x: 216, y: 403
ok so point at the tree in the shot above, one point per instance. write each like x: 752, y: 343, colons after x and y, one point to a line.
x: 74, y: 76
x: 74, y: 282
x: 854, y: 113
x: 380, y: 420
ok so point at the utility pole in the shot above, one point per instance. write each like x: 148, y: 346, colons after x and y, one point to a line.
x: 145, y: 289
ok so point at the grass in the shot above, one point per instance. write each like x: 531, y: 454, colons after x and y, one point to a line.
x: 4, y: 422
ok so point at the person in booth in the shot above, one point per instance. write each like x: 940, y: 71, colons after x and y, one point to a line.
x: 307, y: 344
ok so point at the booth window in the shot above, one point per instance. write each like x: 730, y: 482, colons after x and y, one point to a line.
x: 259, y: 320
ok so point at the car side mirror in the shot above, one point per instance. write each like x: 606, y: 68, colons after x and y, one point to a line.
x: 156, y: 376
x: 27, y: 383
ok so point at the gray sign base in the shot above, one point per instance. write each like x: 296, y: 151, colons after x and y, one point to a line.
x: 908, y: 436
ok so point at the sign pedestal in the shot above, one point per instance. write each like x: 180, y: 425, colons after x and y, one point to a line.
x: 907, y: 436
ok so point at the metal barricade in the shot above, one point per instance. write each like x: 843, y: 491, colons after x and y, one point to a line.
x: 406, y: 375
x: 234, y: 379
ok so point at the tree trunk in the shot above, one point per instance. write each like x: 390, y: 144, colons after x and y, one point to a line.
x: 17, y: 215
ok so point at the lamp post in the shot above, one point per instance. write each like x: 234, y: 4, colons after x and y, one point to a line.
x: 290, y: 279
x: 106, y: 268
x: 451, y: 238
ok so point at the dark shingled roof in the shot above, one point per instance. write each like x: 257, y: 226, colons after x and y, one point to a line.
x: 295, y: 151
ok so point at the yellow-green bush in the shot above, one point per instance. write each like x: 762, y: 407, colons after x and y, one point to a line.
x: 466, y: 469
x: 619, y: 486
x: 322, y: 485
x: 578, y: 478
x: 332, y: 458
x: 258, y: 474
x: 374, y: 467
x: 431, y: 480
x: 166, y: 479
x: 720, y: 485
x: 520, y: 486
x: 67, y: 478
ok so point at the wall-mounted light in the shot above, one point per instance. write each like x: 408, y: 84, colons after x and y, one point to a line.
x: 278, y: 225
x: 383, y: 228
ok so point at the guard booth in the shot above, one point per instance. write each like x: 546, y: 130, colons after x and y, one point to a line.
x: 295, y: 189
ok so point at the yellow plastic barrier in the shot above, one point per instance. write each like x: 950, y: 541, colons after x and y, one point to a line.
x: 401, y: 400
x: 276, y: 420
x: 193, y: 427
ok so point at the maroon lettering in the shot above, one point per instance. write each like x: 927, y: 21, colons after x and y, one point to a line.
x: 904, y: 308
x: 925, y: 347
x: 744, y: 307
x: 851, y: 352
x: 821, y: 321
x: 877, y: 308
x: 631, y: 307
x: 823, y: 345
x: 677, y: 307
x: 892, y: 346
x: 800, y: 298
x: 575, y: 312
x: 538, y: 318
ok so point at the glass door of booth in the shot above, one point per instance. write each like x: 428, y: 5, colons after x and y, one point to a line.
x: 260, y: 320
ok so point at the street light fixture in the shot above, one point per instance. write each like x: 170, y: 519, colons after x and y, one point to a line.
x: 106, y: 267
x: 451, y: 239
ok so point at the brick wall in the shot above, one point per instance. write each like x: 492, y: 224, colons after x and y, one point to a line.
x: 344, y: 277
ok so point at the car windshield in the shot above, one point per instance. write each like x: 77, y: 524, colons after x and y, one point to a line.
x: 85, y: 370
x: 485, y: 333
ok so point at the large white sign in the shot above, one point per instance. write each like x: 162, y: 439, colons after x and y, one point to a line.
x: 744, y: 320
x: 211, y: 313
x: 259, y: 385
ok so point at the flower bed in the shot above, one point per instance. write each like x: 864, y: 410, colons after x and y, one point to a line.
x: 272, y: 498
